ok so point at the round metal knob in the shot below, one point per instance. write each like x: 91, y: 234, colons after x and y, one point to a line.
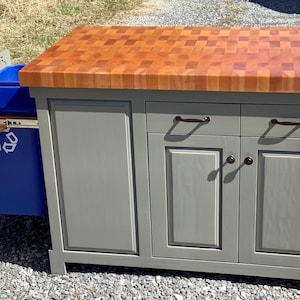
x: 248, y: 160
x: 230, y: 159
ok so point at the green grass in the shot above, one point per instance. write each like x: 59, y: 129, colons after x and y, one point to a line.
x: 69, y: 10
x: 28, y: 27
x: 112, y: 5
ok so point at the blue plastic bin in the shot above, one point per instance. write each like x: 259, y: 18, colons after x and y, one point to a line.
x: 22, y: 188
x: 13, y: 98
x: 10, y: 75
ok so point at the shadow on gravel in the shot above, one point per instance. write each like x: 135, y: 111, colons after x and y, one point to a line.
x: 249, y: 280
x: 25, y: 241
x: 284, y: 6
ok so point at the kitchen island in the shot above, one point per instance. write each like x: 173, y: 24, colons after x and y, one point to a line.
x: 172, y: 147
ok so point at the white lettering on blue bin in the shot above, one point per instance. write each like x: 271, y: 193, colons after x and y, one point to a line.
x: 10, y: 146
x: 12, y: 137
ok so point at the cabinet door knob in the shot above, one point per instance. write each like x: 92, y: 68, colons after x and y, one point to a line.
x: 230, y: 159
x: 248, y: 160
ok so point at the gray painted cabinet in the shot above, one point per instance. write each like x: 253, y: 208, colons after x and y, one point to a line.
x: 178, y: 180
x: 194, y: 190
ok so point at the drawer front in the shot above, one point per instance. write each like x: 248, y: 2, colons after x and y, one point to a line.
x: 172, y: 118
x: 269, y: 121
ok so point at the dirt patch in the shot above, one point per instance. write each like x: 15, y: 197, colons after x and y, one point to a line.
x: 144, y: 8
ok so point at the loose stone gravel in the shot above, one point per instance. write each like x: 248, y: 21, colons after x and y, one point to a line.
x: 24, y: 241
x: 214, y: 13
x: 25, y: 274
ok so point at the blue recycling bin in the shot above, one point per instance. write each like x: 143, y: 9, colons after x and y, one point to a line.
x: 22, y: 187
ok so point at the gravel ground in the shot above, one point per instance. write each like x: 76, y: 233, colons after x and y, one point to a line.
x: 215, y: 13
x: 24, y: 241
x: 24, y: 274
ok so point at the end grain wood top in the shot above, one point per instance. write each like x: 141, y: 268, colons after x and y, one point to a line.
x: 257, y: 59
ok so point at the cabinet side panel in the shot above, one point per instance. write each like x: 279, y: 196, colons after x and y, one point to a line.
x: 93, y: 149
x: 279, y: 203
x: 193, y: 197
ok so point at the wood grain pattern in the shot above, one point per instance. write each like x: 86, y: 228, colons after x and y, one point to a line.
x: 254, y: 59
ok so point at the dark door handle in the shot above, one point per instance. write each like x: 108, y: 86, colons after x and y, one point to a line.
x: 286, y: 123
x: 204, y: 120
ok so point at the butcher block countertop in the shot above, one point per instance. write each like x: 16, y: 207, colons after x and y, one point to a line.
x: 241, y: 59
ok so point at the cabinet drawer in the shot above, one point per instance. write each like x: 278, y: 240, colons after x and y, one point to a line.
x: 257, y: 119
x: 224, y: 119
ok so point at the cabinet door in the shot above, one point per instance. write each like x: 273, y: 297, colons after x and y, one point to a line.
x: 194, y: 196
x: 92, y: 144
x: 270, y: 202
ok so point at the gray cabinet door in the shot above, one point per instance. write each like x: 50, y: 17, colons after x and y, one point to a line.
x: 270, y: 202
x: 194, y: 196
x: 92, y: 146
